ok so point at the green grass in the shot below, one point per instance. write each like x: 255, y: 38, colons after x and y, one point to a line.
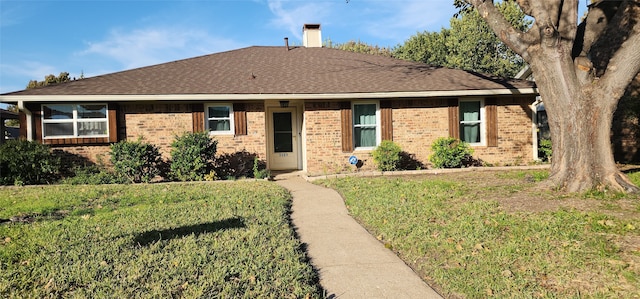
x: 471, y: 247
x: 211, y: 240
x: 635, y: 177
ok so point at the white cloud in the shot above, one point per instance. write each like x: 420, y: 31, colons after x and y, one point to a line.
x: 9, y: 15
x: 411, y: 16
x: 33, y: 69
x: 297, y: 14
x: 23, y: 71
x: 390, y: 20
x: 142, y: 47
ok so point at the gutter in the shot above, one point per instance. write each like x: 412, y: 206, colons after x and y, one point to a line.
x: 274, y: 96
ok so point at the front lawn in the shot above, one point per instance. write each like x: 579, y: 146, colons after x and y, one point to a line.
x: 211, y: 240
x: 494, y: 234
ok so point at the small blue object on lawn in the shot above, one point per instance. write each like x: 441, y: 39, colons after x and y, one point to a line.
x: 353, y: 160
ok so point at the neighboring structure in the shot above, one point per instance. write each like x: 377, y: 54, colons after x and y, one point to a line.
x: 307, y: 108
x: 7, y: 132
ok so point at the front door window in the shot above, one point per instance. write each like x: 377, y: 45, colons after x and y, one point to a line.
x: 282, y: 132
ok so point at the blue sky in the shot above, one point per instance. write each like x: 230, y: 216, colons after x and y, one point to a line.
x: 40, y: 37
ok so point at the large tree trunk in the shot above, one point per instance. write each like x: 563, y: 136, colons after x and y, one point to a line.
x: 580, y: 120
x: 581, y: 72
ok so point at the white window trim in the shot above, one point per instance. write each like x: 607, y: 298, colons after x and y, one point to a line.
x: 207, y: 119
x: 74, y: 121
x: 378, y: 128
x: 483, y: 121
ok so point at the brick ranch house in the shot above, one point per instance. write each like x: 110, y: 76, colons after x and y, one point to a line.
x: 299, y: 108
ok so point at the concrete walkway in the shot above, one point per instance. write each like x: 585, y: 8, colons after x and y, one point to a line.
x: 351, y: 262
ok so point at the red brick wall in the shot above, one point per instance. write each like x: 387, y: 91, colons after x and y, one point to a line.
x: 254, y: 141
x: 159, y: 123
x: 324, y: 140
x: 515, y: 139
x: 416, y: 124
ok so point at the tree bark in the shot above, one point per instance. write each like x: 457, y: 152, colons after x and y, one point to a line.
x: 580, y: 95
x: 580, y: 123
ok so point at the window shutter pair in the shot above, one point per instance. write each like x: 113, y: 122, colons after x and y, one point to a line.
x: 239, y: 118
x: 491, y: 115
x: 346, y: 123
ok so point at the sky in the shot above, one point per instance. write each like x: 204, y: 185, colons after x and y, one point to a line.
x: 90, y: 38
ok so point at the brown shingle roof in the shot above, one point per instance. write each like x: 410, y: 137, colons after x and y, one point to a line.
x: 276, y: 70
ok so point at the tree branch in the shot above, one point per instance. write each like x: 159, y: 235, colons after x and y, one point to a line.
x: 517, y: 40
x: 568, y: 19
x: 624, y: 64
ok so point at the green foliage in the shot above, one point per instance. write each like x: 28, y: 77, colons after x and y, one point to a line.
x: 387, y: 155
x: 545, y: 150
x: 13, y: 122
x: 192, y: 156
x: 49, y: 80
x: 449, y: 153
x: 259, y: 169
x: 182, y: 240
x: 25, y: 162
x: 136, y: 160
x: 469, y: 44
x: 361, y: 47
x: 427, y: 47
x: 635, y: 177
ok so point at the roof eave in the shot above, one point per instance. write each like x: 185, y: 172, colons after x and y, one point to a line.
x: 253, y: 97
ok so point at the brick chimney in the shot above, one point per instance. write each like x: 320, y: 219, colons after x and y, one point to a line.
x: 311, y: 36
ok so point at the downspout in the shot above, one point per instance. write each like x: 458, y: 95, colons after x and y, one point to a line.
x: 535, y: 129
x: 29, y: 120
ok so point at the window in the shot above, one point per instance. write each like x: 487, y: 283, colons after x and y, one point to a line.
x: 74, y: 120
x: 219, y: 119
x: 472, y: 122
x: 366, y: 120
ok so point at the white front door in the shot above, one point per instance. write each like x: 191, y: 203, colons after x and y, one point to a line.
x: 283, y: 138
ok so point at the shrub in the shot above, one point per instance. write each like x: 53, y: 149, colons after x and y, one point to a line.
x: 450, y: 153
x: 27, y: 162
x: 387, y: 155
x: 136, y: 160
x: 259, y: 169
x: 235, y: 165
x: 192, y: 156
x: 409, y: 162
x: 544, y: 150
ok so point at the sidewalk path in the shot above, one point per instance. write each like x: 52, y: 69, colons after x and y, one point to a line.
x: 351, y: 262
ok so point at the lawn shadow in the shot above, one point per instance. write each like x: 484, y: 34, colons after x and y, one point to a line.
x: 146, y: 238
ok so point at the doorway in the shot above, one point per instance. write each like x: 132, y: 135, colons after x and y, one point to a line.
x: 284, y: 139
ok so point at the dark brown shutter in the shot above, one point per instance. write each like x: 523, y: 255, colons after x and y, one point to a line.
x: 240, y: 119
x: 197, y: 112
x: 491, y: 112
x: 346, y: 124
x: 454, y: 119
x: 37, y: 122
x: 113, y: 122
x: 386, y: 120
